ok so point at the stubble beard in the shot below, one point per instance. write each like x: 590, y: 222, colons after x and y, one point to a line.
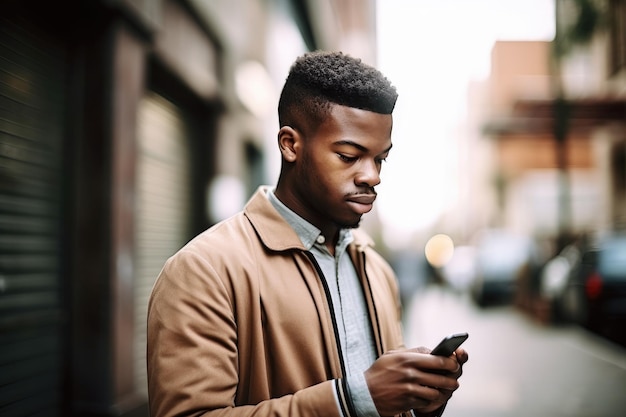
x: 306, y: 169
x: 354, y: 225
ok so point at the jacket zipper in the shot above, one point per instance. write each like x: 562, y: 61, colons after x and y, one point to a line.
x: 344, y: 400
x: 332, y: 310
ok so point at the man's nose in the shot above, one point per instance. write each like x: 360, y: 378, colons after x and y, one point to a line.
x: 369, y: 174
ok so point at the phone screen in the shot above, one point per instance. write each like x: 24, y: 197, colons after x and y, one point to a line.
x: 449, y: 344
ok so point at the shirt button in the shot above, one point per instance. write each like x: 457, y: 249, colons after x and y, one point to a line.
x: 321, y: 239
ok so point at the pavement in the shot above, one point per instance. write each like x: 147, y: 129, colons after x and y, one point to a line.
x: 519, y: 367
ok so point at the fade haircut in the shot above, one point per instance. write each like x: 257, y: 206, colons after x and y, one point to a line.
x: 316, y: 80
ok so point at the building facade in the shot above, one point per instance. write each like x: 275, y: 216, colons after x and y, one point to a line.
x: 127, y: 127
x: 557, y: 126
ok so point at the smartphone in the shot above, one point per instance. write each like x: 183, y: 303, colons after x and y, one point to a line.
x: 449, y: 344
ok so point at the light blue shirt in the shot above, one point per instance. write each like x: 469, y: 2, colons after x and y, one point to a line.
x: 348, y: 304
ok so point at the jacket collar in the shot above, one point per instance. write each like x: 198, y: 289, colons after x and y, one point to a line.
x: 275, y: 233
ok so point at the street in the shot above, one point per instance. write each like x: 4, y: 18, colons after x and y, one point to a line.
x: 518, y: 367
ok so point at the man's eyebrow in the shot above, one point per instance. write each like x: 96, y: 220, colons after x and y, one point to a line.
x: 359, y: 146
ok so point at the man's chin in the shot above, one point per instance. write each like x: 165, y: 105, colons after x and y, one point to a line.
x: 353, y: 225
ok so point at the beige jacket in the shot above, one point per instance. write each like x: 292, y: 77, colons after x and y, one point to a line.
x: 239, y: 322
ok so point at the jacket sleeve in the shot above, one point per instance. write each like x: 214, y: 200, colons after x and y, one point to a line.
x: 192, y: 351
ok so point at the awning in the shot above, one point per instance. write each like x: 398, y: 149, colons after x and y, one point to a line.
x: 537, y: 116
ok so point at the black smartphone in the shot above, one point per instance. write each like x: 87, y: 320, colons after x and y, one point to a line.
x: 449, y: 344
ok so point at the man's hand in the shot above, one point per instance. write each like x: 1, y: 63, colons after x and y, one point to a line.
x: 413, y: 379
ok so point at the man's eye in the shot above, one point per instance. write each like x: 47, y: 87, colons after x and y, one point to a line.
x: 346, y: 158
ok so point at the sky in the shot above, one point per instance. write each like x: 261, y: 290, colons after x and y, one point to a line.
x: 430, y: 50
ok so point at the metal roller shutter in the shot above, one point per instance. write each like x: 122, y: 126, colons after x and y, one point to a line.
x: 163, y: 205
x: 32, y: 105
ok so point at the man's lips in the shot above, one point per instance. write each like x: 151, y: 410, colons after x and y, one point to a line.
x: 361, y: 203
x: 362, y: 198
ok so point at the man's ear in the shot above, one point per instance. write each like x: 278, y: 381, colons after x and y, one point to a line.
x: 289, y: 143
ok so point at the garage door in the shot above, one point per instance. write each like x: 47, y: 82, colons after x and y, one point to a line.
x: 163, y: 204
x: 32, y: 107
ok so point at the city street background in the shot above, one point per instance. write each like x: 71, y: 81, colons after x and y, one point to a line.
x: 128, y: 127
x: 519, y: 367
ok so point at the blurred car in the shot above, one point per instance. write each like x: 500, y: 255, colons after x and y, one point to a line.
x: 595, y: 293
x: 460, y: 271
x: 554, y: 279
x: 501, y: 256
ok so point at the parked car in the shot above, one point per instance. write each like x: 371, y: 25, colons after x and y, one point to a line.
x: 501, y: 256
x: 460, y: 271
x: 557, y: 287
x: 595, y: 293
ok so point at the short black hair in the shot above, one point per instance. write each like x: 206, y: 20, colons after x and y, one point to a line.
x: 318, y: 79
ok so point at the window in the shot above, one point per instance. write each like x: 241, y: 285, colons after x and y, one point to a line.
x: 617, y: 44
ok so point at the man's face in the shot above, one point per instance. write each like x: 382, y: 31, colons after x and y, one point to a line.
x: 339, y: 166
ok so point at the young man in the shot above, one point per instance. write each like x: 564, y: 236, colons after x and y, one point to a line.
x: 285, y: 309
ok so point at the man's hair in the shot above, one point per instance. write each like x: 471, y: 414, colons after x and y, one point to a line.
x: 319, y: 79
